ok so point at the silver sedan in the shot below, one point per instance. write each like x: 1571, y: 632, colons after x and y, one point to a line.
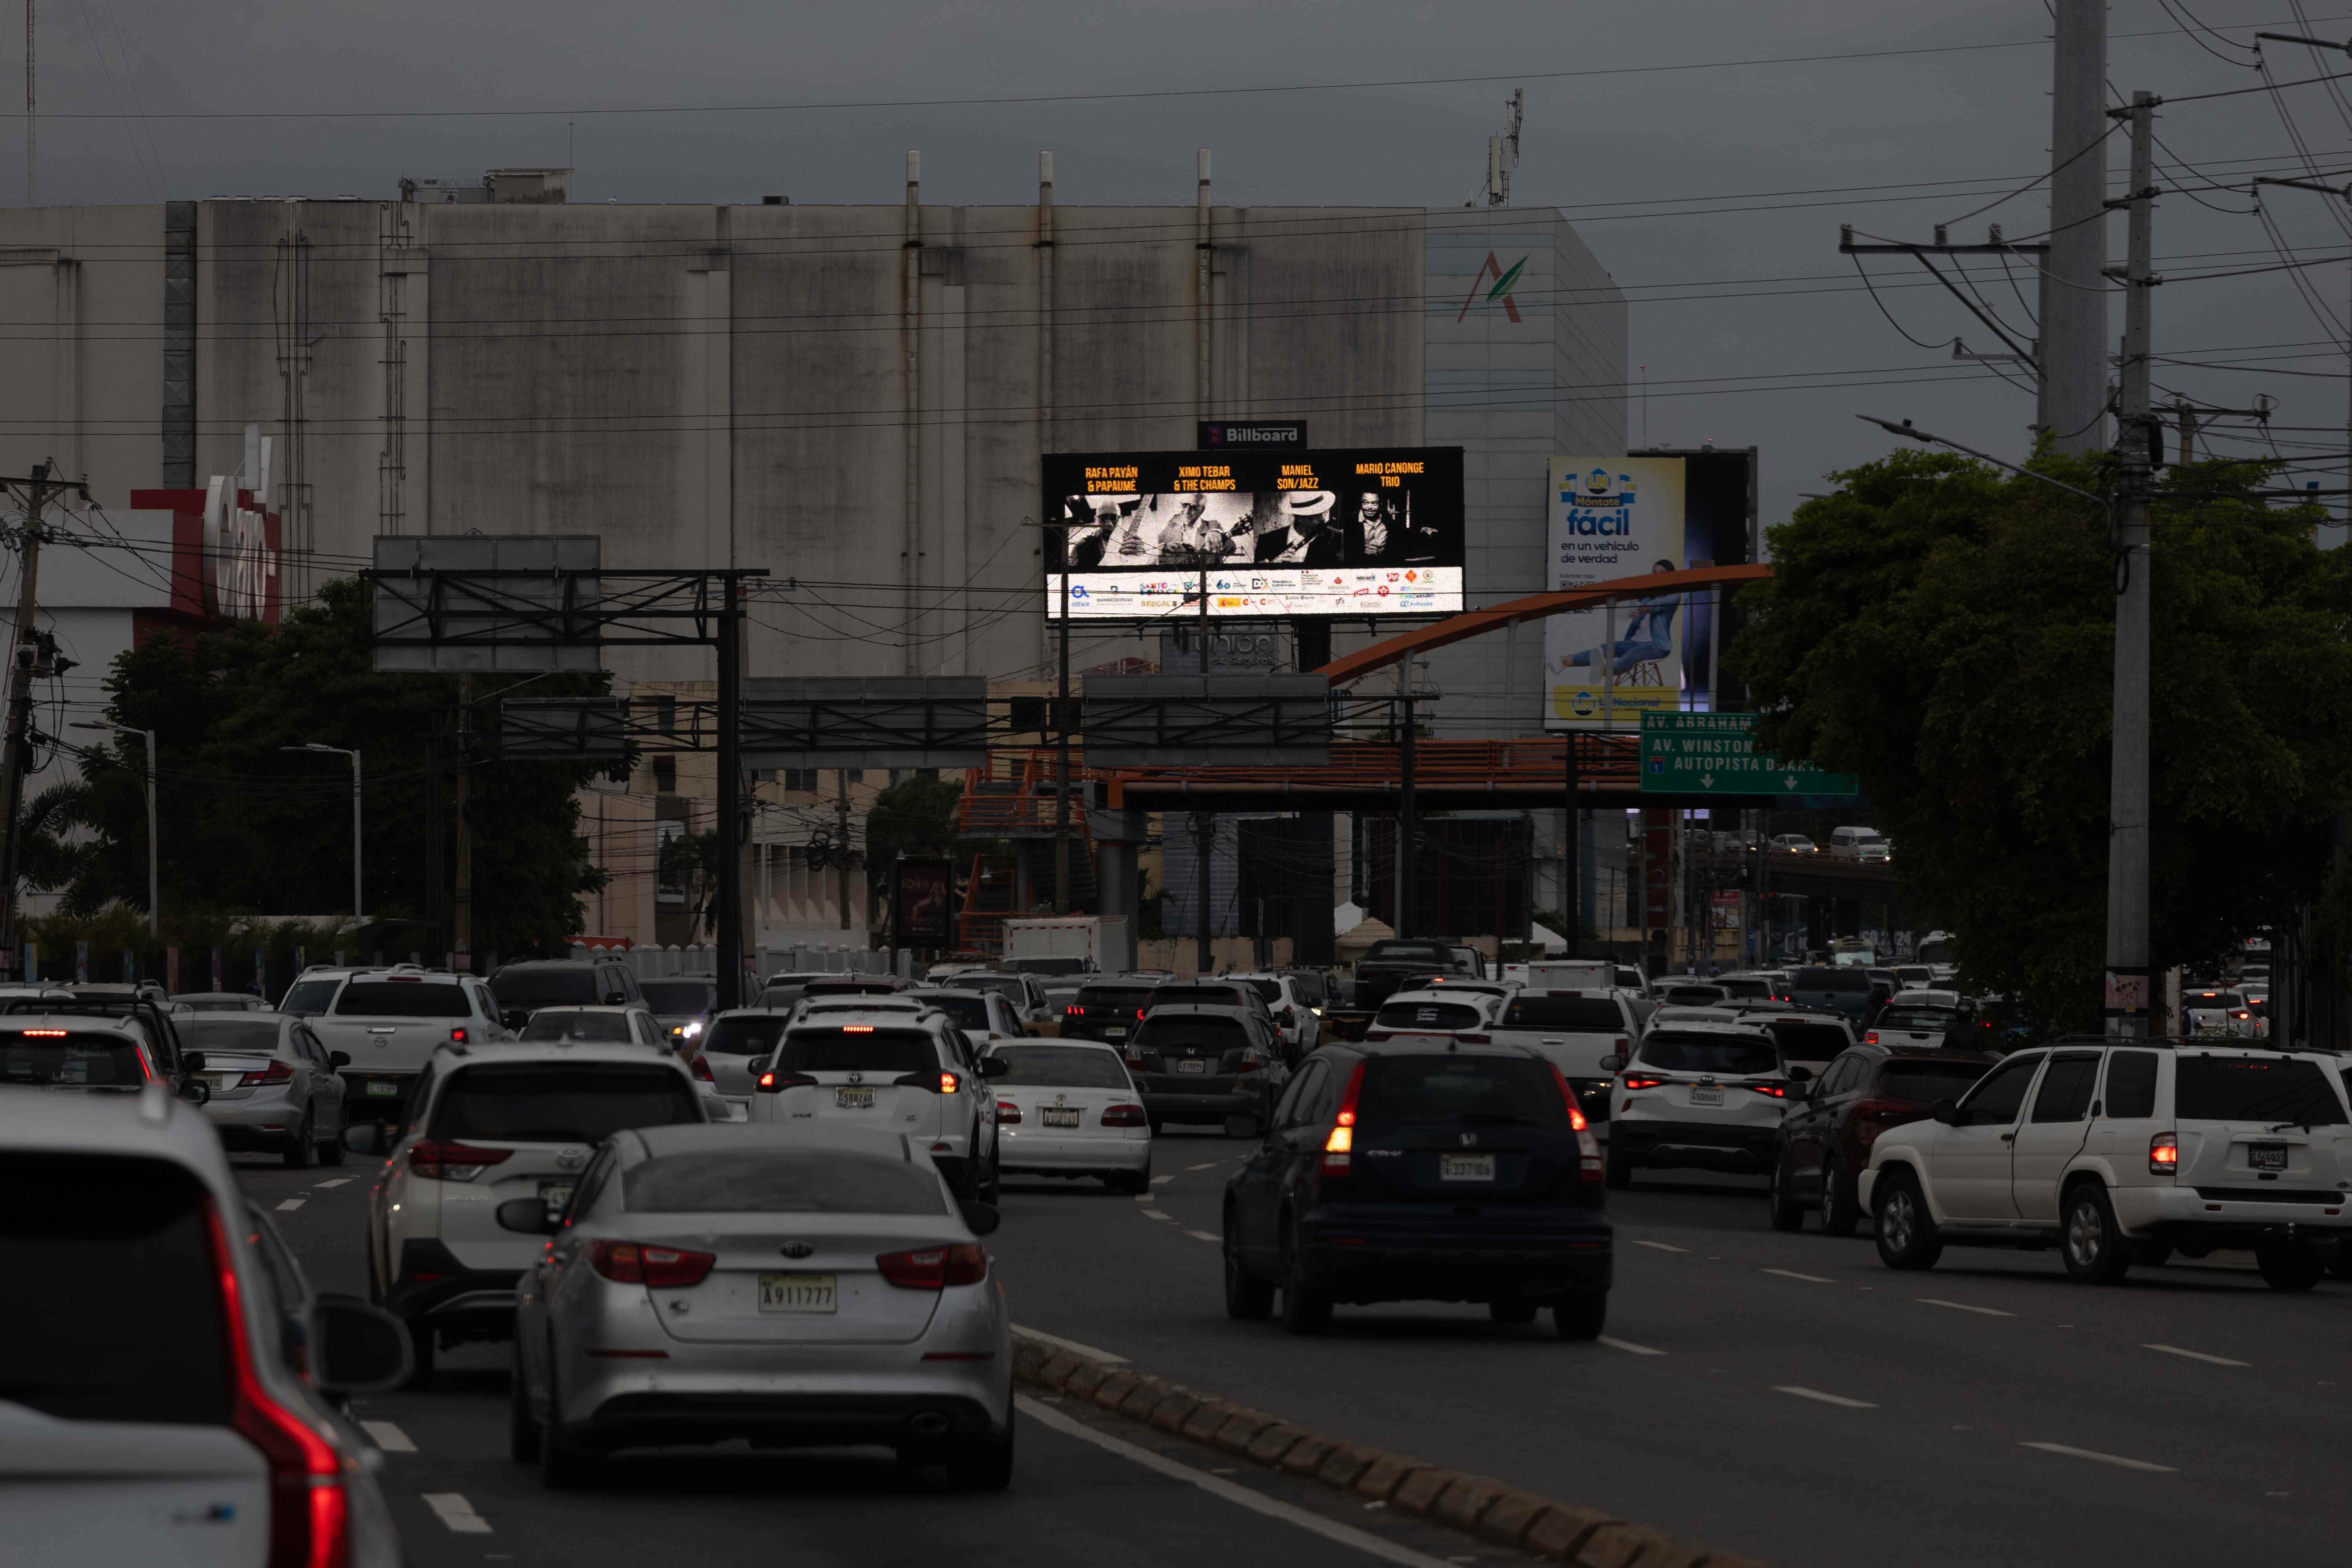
x: 795, y: 1289
x: 274, y: 1085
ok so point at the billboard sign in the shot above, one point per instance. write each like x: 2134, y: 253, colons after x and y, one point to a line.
x: 1358, y: 532
x: 923, y: 903
x: 1715, y: 753
x: 1612, y: 518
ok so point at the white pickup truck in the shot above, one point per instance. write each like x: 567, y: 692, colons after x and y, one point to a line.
x: 1572, y: 1029
x: 390, y: 1021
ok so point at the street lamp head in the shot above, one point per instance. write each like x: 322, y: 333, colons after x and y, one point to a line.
x: 89, y: 724
x: 1893, y: 428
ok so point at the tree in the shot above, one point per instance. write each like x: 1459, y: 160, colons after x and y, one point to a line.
x: 917, y: 815
x: 249, y: 827
x: 1946, y: 631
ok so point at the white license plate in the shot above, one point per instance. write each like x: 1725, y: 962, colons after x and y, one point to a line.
x: 797, y: 1293
x: 2266, y: 1156
x: 854, y: 1099
x: 1706, y: 1094
x: 387, y: 1091
x: 1061, y: 1116
x: 216, y: 1082
x: 1465, y: 1167
x: 556, y: 1196
x: 1115, y: 1032
x: 1194, y: 1066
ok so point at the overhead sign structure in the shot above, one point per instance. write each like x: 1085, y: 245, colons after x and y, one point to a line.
x: 1612, y: 518
x: 1715, y: 753
x: 486, y: 602
x: 1130, y: 720
x: 882, y: 722
x: 1360, y: 531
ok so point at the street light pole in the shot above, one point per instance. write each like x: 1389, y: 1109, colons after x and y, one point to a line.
x: 356, y: 798
x: 154, y: 841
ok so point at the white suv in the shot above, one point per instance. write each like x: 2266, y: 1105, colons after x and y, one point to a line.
x: 2124, y: 1151
x: 1699, y: 1095
x: 486, y: 1124
x: 890, y: 1070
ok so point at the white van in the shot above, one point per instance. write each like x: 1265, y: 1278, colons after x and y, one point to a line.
x: 1859, y: 843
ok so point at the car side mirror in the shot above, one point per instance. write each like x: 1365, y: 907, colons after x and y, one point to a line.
x: 1245, y: 1124
x: 356, y: 1348
x: 1946, y: 1111
x: 196, y: 1091
x: 339, y: 1059
x: 1800, y: 1075
x: 528, y: 1215
x: 994, y: 1066
x: 981, y: 1218
x: 191, y: 1061
x: 364, y: 1137
x: 615, y: 999
x: 1614, y: 1062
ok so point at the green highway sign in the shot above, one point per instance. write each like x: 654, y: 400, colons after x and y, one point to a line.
x: 1715, y: 753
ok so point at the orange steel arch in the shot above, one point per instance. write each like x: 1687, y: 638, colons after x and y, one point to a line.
x: 1534, y: 607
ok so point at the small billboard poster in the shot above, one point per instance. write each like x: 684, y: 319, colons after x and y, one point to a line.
x: 1612, y: 518
x: 922, y: 904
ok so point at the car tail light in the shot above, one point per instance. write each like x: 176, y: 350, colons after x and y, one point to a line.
x: 1633, y: 1082
x: 309, y: 1513
x: 1251, y: 1061
x: 1134, y: 1063
x: 1870, y: 1037
x: 2241, y: 1013
x: 702, y: 1070
x: 1885, y: 1111
x: 1007, y: 1113
x: 1340, y: 1144
x: 932, y: 1267
x: 457, y: 1036
x: 1074, y: 1011
x: 777, y: 1083
x: 276, y: 1072
x: 1124, y: 1116
x: 640, y: 1263
x: 1476, y: 1039
x: 1587, y: 1148
x: 2163, y: 1155
x: 1776, y: 1090
x: 1138, y: 1014
x: 452, y: 1161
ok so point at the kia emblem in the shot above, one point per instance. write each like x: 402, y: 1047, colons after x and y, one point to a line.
x: 797, y: 1249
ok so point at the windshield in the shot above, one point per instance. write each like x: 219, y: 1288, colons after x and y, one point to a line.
x: 1421, y: 1015
x: 2255, y: 1088
x: 257, y: 1037
x: 561, y: 1024
x: 1710, y: 1054
x: 1068, y: 1066
x: 748, y: 1036
x: 1927, y: 1082
x: 543, y: 987
x: 558, y: 1102
x: 1831, y: 980
x: 1493, y: 1091
x: 780, y: 1181
x: 309, y: 998
x: 858, y: 1047
x: 968, y: 1009
x: 1590, y: 1014
x: 679, y: 999
x: 1437, y: 956
x: 401, y: 999
x: 70, y: 1059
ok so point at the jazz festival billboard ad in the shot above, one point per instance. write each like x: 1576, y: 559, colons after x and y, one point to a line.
x: 1612, y: 518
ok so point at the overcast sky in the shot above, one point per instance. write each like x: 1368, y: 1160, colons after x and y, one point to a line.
x: 1752, y: 328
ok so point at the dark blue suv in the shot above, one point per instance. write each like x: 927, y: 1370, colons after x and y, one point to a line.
x: 1403, y: 1173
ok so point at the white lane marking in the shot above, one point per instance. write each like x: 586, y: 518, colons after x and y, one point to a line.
x: 1143, y: 1198
x: 1204, y: 1165
x: 1629, y: 1346
x: 1157, y: 1214
x: 388, y: 1437
x: 1072, y: 1346
x: 290, y: 1206
x: 1963, y: 1306
x: 1217, y: 1486
x: 1807, y: 1279
x: 458, y: 1513
x: 1840, y: 1400
x: 1203, y: 1235
x: 1657, y: 1245
x: 337, y: 1182
x: 2196, y: 1355
x: 1162, y: 1181
x: 2116, y: 1459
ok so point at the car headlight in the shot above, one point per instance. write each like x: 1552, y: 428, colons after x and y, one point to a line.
x: 694, y: 1028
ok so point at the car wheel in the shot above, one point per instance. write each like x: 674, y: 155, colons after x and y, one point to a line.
x: 2096, y: 1252
x: 523, y: 1432
x: 1512, y: 1310
x: 420, y: 1340
x: 1841, y: 1215
x: 1617, y: 1171
x: 1781, y: 1199
x: 986, y: 1465
x: 561, y: 1466
x: 2289, y: 1266
x: 1306, y: 1310
x: 1581, y: 1316
x: 301, y: 1150
x: 1247, y: 1298
x: 1906, y: 1233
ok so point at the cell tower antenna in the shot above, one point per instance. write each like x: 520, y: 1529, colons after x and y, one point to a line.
x: 1502, y: 157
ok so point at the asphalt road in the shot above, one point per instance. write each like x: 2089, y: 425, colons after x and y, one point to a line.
x: 1784, y: 1396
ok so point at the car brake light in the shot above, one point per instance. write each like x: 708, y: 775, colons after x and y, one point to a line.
x: 858, y: 1028
x: 1340, y: 1144
x: 276, y: 1072
x: 43, y: 1034
x: 1776, y: 1090
x: 1074, y: 1011
x: 640, y: 1263
x: 1641, y: 1082
x: 932, y: 1267
x: 452, y: 1161
x: 309, y: 1513
x: 1138, y: 1014
x: 457, y: 1036
x: 773, y: 1082
x: 2163, y: 1155
x: 702, y: 1070
x: 1870, y: 1037
x: 1124, y: 1116
x: 1587, y: 1148
x: 1476, y: 1039
x: 1007, y: 1113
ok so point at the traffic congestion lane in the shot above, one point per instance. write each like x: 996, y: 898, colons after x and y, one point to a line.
x: 1784, y: 1395
x: 1085, y: 1489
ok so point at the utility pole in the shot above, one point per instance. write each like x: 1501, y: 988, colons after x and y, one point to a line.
x: 462, y: 899
x: 2073, y: 283
x: 1062, y: 740
x: 1205, y: 838
x: 16, y: 759
x: 841, y: 855
x: 2127, y: 980
x: 1571, y: 865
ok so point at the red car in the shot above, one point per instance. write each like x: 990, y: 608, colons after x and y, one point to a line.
x: 1826, y: 1140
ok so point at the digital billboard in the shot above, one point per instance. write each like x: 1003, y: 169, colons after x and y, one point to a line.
x: 1355, y: 531
x: 1611, y: 518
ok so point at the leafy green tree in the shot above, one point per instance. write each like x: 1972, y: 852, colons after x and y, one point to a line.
x: 1946, y: 631
x: 247, y: 825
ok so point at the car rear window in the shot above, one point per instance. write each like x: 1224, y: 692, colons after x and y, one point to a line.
x: 1746, y: 988
x: 1234, y: 996
x: 1696, y: 995
x: 1431, y: 953
x: 1709, y: 1053
x: 401, y: 999
x: 599, y: 1028
x: 1163, y: 1032
x: 845, y: 987
x: 1590, y: 1015
x: 1271, y: 989
x: 742, y: 1036
x: 69, y: 1058
x: 1928, y: 1020
x: 675, y: 996
x: 1068, y: 1066
x: 255, y: 1036
x: 2255, y: 1088
x: 1310, y: 988
x: 970, y: 1010
x: 858, y: 1047
x: 1495, y: 1091
x: 1927, y: 1082
x: 130, y: 1240
x: 780, y: 1181
x: 1447, y: 1015
x: 1011, y: 985
x: 1810, y: 1042
x: 308, y: 998
x: 1127, y: 999
x: 559, y: 1102
x: 543, y: 988
x: 1847, y: 979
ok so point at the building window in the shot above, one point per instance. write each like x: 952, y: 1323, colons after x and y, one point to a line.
x: 803, y: 779
x: 665, y: 775
x: 665, y: 715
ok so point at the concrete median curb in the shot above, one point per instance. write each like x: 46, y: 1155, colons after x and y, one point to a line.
x: 1492, y: 1511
